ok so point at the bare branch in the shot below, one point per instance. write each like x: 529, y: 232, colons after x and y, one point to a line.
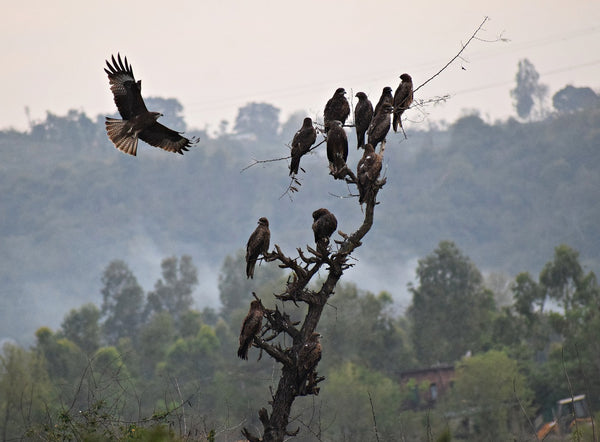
x: 463, y: 47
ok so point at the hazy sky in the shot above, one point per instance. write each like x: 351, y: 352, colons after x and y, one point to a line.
x: 216, y: 56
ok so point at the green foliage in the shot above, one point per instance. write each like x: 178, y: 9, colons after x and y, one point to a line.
x: 25, y: 391
x: 490, y: 391
x: 357, y: 388
x: 360, y: 327
x: 122, y: 302
x: 82, y: 327
x: 451, y: 309
x: 173, y: 293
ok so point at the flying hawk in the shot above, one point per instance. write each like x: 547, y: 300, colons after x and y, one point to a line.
x: 403, y: 98
x: 324, y: 224
x: 337, y: 147
x: 250, y: 328
x: 363, y: 113
x: 380, y: 125
x: 386, y: 98
x: 303, y: 140
x: 367, y: 172
x: 258, y: 244
x: 137, y: 122
x: 337, y: 108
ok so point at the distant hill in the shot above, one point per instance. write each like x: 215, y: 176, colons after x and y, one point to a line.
x: 506, y: 193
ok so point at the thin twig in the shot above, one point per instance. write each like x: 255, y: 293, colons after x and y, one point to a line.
x: 523, y: 409
x: 562, y: 354
x: 464, y: 46
x: 373, y: 414
x: 587, y: 391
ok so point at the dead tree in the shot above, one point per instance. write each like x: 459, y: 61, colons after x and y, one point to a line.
x: 298, y: 378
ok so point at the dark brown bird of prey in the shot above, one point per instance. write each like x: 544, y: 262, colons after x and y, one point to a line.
x: 337, y: 108
x: 303, y: 140
x: 137, y: 122
x: 380, y: 126
x: 258, y: 244
x: 337, y: 147
x: 363, y: 113
x: 386, y: 98
x: 250, y: 328
x: 310, y: 353
x: 403, y: 98
x: 367, y: 172
x: 324, y: 224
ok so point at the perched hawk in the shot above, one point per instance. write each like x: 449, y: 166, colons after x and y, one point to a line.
x: 367, y: 172
x: 380, y: 125
x: 324, y: 224
x: 363, y: 113
x: 310, y: 353
x: 250, y: 328
x: 337, y: 108
x: 403, y: 98
x: 386, y: 98
x: 303, y: 140
x: 258, y: 244
x: 337, y: 147
x: 137, y: 122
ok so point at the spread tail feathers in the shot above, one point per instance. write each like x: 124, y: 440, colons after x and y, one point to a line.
x: 118, y: 132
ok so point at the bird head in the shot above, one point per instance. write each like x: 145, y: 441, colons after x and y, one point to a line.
x: 319, y: 213
x: 405, y: 77
x: 387, y: 90
x: 340, y: 91
x: 361, y: 95
x: 263, y: 221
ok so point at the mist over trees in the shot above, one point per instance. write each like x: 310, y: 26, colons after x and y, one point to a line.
x: 493, y: 188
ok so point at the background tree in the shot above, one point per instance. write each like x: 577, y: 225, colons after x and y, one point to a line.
x: 234, y: 286
x: 82, y: 327
x: 572, y: 99
x: 173, y: 293
x: 528, y: 90
x: 451, y: 310
x: 122, y: 302
x: 258, y: 119
x: 487, y: 390
x: 25, y: 392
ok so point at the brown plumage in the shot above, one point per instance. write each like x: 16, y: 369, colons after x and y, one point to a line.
x: 337, y: 147
x: 137, y: 122
x: 324, y: 224
x: 367, y: 172
x: 250, y: 328
x: 337, y: 108
x: 303, y: 140
x: 380, y: 126
x: 363, y: 113
x: 403, y: 98
x: 310, y: 353
x: 258, y: 244
x: 386, y: 98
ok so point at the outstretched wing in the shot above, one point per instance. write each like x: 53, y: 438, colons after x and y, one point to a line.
x: 161, y: 136
x: 126, y: 91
